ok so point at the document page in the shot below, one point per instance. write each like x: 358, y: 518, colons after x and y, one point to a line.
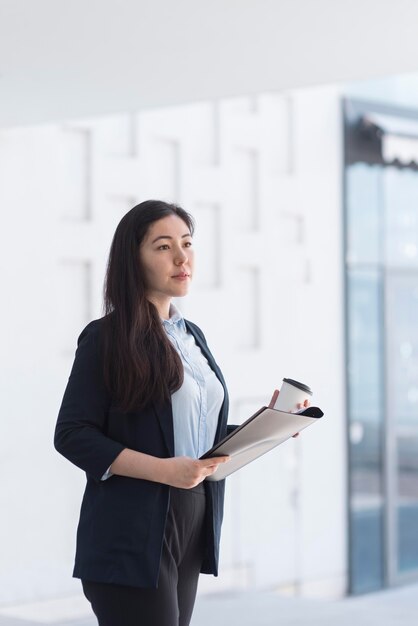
x: 262, y: 432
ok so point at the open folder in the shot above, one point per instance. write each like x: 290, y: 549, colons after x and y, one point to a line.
x: 262, y: 432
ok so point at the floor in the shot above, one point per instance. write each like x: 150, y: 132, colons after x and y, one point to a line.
x: 398, y: 607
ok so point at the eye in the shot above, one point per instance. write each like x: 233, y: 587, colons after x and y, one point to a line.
x: 188, y: 244
x: 163, y: 247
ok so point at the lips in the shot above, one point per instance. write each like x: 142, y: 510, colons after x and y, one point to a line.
x: 181, y: 275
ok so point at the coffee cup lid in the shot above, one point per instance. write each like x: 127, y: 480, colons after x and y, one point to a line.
x: 299, y: 385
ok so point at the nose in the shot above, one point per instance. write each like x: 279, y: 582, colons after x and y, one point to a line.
x: 181, y: 257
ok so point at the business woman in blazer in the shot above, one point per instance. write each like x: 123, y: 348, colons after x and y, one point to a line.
x: 145, y: 398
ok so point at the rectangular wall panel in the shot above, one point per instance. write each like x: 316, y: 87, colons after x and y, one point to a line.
x: 76, y: 153
x: 247, y: 311
x: 246, y: 183
x: 163, y: 170
x: 207, y: 242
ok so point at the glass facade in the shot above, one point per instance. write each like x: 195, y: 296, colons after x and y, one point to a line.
x: 365, y: 378
x: 381, y: 244
x: 402, y: 305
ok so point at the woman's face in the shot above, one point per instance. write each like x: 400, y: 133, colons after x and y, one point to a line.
x: 167, y: 256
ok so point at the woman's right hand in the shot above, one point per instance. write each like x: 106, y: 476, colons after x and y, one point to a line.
x: 185, y: 472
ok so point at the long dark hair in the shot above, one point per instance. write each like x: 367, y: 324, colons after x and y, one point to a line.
x: 140, y: 363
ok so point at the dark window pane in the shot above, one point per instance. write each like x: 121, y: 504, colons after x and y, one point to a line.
x: 407, y: 532
x: 366, y: 550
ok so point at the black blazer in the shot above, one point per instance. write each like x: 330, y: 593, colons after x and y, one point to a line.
x: 122, y: 520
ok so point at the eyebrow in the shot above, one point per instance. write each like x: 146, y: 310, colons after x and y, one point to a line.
x: 168, y: 237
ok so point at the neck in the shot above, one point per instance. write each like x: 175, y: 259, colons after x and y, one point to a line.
x: 162, y: 306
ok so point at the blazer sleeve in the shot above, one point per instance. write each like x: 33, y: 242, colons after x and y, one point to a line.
x: 80, y: 429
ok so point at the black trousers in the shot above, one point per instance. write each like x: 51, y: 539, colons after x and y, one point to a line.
x: 171, y: 604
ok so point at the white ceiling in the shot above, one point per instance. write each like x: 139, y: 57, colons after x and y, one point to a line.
x: 69, y: 58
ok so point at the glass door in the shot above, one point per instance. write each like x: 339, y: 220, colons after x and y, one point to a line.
x: 400, y: 192
x: 381, y: 272
x: 402, y: 425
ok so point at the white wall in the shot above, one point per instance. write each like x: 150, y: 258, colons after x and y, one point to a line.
x: 262, y: 176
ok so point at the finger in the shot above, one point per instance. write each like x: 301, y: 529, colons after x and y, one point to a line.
x: 274, y: 398
x: 216, y: 460
x: 211, y: 468
x: 306, y: 403
x: 220, y: 459
x: 208, y: 471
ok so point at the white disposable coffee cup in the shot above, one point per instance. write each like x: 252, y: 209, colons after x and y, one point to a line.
x: 291, y: 394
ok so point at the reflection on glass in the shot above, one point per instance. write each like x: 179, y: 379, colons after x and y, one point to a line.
x: 382, y: 345
x: 364, y: 295
x: 365, y: 377
x: 363, y: 215
x: 403, y: 409
x: 401, y: 216
x: 366, y: 555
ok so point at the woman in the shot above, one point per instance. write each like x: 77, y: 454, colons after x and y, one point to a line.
x: 144, y: 400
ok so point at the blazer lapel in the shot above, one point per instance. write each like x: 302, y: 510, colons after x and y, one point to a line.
x: 223, y: 415
x: 205, y: 350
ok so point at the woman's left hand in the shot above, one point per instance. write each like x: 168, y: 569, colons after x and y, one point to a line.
x: 301, y: 405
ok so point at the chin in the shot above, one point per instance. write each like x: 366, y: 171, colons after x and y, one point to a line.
x: 182, y: 292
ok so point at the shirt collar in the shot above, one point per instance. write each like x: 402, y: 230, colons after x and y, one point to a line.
x: 176, y: 318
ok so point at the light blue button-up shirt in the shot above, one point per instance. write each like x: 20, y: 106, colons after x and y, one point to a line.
x: 197, y: 403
